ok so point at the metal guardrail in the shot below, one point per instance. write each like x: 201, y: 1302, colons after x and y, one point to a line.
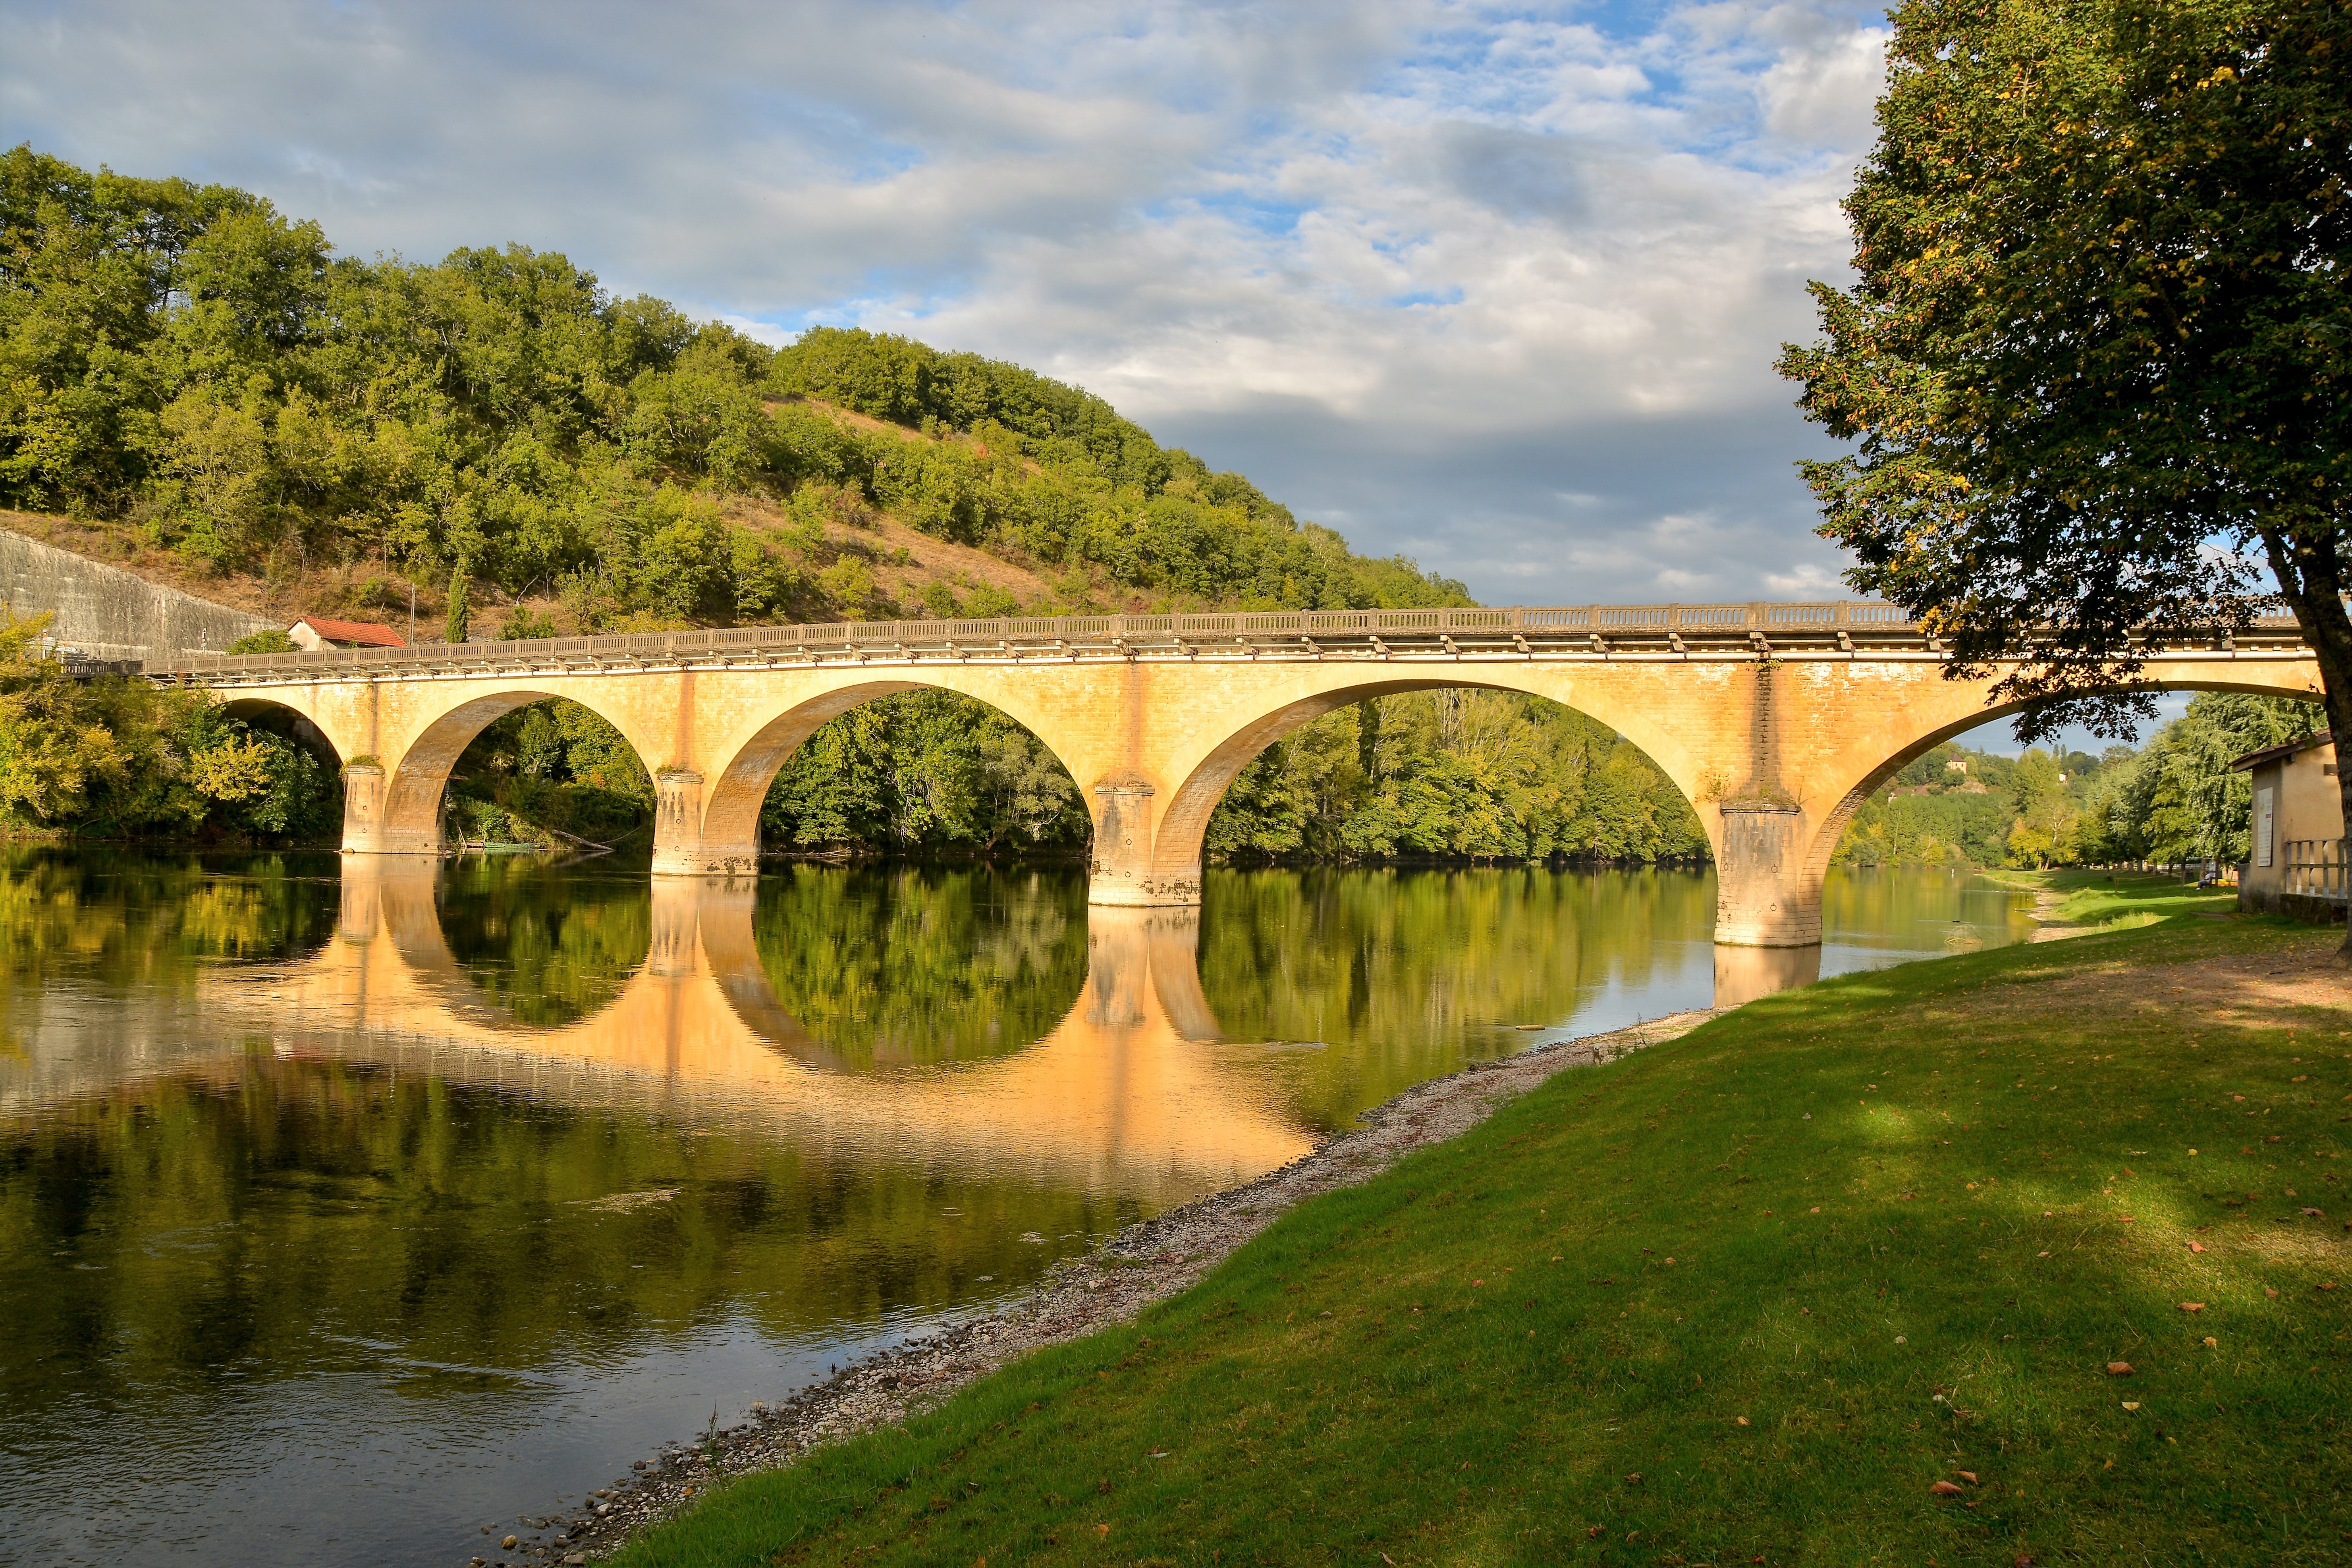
x: 1594, y: 627
x: 2315, y: 869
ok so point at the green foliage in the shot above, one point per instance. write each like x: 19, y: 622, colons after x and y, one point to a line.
x: 270, y: 639
x: 2176, y: 800
x: 454, y: 631
x: 522, y: 623
x: 552, y: 765
x: 2172, y: 801
x: 189, y: 358
x: 119, y: 758
x: 2100, y: 324
x: 923, y: 770
x: 1454, y: 775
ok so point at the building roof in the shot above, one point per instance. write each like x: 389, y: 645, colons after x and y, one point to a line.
x: 367, y: 634
x: 2280, y: 753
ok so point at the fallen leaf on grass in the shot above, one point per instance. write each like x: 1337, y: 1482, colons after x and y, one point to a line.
x: 1968, y: 1476
x: 2211, y: 1343
x: 1944, y: 1489
x: 2270, y: 1293
x: 2118, y: 1369
x: 1101, y: 1529
x: 2192, y: 1306
x: 2131, y: 1403
x: 1741, y: 1419
x: 2196, y: 1246
x: 2313, y: 1212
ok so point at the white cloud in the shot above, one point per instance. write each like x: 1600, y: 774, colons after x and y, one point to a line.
x: 1499, y: 287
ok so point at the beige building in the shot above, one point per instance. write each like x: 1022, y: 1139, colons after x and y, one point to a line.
x: 2296, y: 862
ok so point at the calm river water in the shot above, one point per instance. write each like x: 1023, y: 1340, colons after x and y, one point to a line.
x: 346, y: 1210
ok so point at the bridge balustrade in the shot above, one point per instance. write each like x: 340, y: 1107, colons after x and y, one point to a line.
x: 1027, y: 632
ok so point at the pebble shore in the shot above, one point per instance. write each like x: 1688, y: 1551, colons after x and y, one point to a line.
x: 1146, y: 1262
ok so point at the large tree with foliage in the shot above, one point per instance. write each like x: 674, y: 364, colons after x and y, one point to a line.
x: 2093, y: 366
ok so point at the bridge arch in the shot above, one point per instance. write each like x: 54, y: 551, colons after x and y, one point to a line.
x: 720, y: 835
x: 402, y: 813
x: 1176, y: 839
x: 306, y: 732
x: 1942, y: 725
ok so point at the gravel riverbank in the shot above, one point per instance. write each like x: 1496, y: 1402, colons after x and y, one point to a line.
x: 1144, y: 1263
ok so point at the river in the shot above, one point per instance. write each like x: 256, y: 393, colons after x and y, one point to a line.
x: 351, y: 1209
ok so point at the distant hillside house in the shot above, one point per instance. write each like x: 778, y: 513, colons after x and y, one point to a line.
x: 312, y: 633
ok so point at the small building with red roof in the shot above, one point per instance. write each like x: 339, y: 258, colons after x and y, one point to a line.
x: 312, y: 633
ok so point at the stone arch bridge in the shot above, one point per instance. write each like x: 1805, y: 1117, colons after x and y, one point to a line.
x: 1775, y: 720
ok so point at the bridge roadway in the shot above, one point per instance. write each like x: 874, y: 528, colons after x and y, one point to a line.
x: 1776, y: 720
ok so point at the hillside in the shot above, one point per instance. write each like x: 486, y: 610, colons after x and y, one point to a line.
x: 195, y: 387
x: 214, y: 396
x: 904, y: 564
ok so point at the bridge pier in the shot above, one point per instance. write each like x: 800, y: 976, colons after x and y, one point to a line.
x: 362, y: 808
x: 1121, y: 871
x: 1768, y: 889
x: 683, y: 843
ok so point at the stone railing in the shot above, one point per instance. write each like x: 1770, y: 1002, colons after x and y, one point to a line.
x: 1583, y: 628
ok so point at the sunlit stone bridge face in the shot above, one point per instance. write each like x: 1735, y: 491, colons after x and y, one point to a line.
x: 1776, y: 720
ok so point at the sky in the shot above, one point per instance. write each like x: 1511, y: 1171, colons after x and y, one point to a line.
x: 1497, y: 288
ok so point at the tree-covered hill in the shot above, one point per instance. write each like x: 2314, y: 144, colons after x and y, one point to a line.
x: 187, y: 363
x: 198, y: 387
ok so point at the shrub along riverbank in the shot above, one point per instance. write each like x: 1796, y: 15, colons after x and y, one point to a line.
x: 1756, y: 1294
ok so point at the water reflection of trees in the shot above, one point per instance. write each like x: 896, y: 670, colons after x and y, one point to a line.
x: 236, y: 1221
x: 545, y: 944
x: 1410, y: 970
x: 121, y: 918
x: 923, y: 965
x: 246, y: 1210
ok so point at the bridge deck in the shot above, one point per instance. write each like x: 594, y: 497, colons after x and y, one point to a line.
x: 1565, y: 631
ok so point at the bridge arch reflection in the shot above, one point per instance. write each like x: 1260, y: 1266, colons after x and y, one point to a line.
x: 1128, y: 1092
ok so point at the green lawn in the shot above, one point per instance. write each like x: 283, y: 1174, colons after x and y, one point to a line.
x: 1742, y: 1297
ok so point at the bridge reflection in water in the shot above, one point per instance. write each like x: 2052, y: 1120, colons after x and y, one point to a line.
x: 1132, y: 1092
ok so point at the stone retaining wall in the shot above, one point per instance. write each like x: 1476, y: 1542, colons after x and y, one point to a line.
x: 103, y: 612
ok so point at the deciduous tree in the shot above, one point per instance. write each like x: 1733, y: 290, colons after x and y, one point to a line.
x: 2094, y: 363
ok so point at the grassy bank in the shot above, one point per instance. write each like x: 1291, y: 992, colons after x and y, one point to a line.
x: 1746, y: 1297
